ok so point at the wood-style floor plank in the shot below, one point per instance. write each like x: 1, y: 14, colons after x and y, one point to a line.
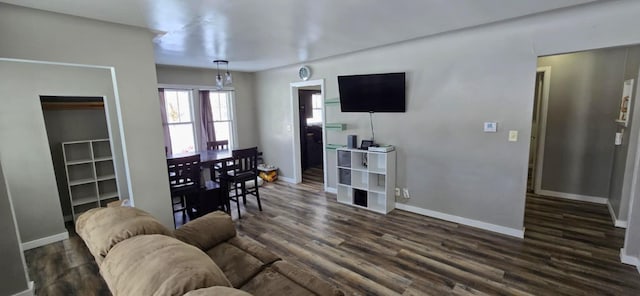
x: 570, y: 248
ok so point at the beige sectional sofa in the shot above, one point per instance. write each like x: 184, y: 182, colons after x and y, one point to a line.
x: 139, y: 256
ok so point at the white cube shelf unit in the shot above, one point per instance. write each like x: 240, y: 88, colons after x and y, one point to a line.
x: 367, y: 179
x: 91, y: 178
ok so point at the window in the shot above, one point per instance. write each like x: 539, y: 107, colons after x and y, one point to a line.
x: 221, y: 109
x: 180, y: 120
x: 316, y: 105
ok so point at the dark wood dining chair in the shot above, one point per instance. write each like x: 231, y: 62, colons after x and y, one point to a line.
x: 245, y: 168
x: 218, y: 145
x: 184, y: 183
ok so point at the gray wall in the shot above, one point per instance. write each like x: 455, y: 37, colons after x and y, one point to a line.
x: 38, y: 35
x: 24, y: 145
x: 244, y: 95
x: 13, y: 277
x: 71, y: 125
x: 584, y: 101
x: 455, y: 82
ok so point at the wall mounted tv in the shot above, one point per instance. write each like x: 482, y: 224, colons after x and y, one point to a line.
x: 372, y: 93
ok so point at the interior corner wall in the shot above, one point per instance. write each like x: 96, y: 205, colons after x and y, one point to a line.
x: 44, y: 36
x: 584, y: 100
x: 625, y: 160
x: 455, y: 82
x: 13, y: 275
x: 243, y: 84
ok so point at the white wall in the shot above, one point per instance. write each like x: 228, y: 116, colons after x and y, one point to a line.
x: 455, y: 82
x: 243, y: 83
x: 37, y: 35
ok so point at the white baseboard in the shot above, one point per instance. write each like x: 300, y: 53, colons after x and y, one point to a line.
x: 288, y: 180
x: 616, y: 222
x: 519, y: 233
x: 631, y: 260
x: 331, y: 190
x: 45, y: 241
x: 27, y: 292
x: 587, y: 198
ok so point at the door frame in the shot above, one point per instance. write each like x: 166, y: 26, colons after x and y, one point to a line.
x: 295, y: 129
x: 542, y: 127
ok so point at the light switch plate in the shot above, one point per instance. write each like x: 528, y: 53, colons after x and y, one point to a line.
x: 490, y: 127
x: 513, y: 136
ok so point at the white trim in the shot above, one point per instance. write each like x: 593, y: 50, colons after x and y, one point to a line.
x: 295, y: 128
x: 616, y: 222
x: 542, y: 128
x: 519, y: 233
x: 288, y: 180
x: 28, y: 292
x: 578, y: 197
x: 331, y: 190
x: 45, y: 241
x: 15, y: 224
x: 627, y: 259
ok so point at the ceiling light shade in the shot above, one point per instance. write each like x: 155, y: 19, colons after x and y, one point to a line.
x: 220, y: 83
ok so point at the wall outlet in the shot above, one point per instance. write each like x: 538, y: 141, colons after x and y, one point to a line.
x: 405, y: 193
x: 397, y: 192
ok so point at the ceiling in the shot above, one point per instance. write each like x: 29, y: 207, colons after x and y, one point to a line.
x: 256, y: 35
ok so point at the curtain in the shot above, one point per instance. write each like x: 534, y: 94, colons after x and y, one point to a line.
x: 208, y: 130
x: 165, y: 126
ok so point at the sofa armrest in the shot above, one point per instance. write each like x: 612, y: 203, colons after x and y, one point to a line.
x: 313, y: 283
x: 207, y: 231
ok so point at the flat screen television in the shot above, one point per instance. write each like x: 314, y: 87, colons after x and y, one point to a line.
x: 372, y: 93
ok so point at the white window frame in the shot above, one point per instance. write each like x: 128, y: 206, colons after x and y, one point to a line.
x: 319, y: 122
x: 191, y: 110
x: 195, y: 108
x: 232, y: 117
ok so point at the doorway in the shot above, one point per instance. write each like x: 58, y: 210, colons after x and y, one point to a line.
x: 308, y: 136
x: 538, y: 128
x: 81, y: 152
x: 311, y: 121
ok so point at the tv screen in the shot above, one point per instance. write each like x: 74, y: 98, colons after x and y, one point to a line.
x: 372, y: 93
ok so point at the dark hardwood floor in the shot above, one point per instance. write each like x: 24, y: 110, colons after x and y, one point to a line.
x: 570, y: 248
x: 314, y: 175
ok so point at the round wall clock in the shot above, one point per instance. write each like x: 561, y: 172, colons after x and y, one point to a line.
x: 304, y: 73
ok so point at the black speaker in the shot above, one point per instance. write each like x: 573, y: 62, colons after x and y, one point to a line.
x: 352, y: 141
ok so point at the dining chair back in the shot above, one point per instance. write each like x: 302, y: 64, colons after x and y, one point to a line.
x: 218, y: 145
x: 245, y: 168
x: 184, y: 180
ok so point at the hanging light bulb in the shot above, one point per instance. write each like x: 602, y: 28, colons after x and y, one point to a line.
x: 219, y: 82
x: 227, y: 76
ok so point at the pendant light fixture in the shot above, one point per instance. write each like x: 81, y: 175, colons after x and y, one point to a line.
x: 220, y: 82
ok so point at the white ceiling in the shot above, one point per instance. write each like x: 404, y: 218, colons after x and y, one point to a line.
x: 262, y: 34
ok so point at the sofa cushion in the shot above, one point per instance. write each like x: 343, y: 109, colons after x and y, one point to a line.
x: 283, y: 278
x: 217, y: 291
x: 103, y: 228
x: 271, y: 282
x: 238, y: 265
x: 254, y: 249
x: 207, y: 231
x: 158, y: 265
